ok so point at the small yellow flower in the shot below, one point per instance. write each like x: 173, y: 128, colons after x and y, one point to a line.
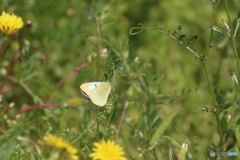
x: 64, y: 149
x: 107, y: 151
x: 10, y: 24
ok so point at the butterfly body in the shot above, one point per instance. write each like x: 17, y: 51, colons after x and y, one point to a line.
x: 97, y: 92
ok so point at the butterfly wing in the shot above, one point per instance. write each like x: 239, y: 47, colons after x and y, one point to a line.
x: 99, y: 95
x: 98, y: 92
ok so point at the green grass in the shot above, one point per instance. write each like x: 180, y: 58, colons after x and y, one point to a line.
x: 161, y: 81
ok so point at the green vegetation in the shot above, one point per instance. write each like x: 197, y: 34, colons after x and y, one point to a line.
x: 173, y: 66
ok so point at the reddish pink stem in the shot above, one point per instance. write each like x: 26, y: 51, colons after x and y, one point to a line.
x: 36, y: 106
x: 65, y: 78
x: 29, y: 109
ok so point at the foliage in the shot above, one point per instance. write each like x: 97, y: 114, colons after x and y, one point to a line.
x: 173, y: 66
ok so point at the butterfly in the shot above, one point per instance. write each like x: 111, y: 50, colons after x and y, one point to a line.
x: 97, y: 92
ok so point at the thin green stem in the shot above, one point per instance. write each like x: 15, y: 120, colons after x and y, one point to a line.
x: 232, y: 36
x: 204, y: 65
x: 210, y: 84
x: 167, y: 33
x: 211, y: 33
x: 98, y: 124
x: 227, y: 12
x: 187, y: 47
x: 110, y: 116
x: 150, y: 133
x: 236, y: 55
x: 220, y: 132
x: 85, y: 145
x: 85, y: 130
x: 80, y: 137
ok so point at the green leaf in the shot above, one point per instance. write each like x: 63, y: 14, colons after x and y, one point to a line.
x: 237, y: 135
x: 106, y: 76
x: 236, y: 26
x: 32, y: 157
x: 143, y: 82
x: 235, y: 105
x: 157, y: 123
x: 182, y: 37
x: 160, y: 130
x: 111, y: 71
x: 230, y: 146
x: 218, y: 30
x: 183, y: 90
x: 224, y: 124
x: 154, y: 114
x: 173, y: 142
x: 235, y: 23
x: 9, y: 141
x: 177, y: 30
x: 189, y: 90
x: 192, y: 40
x: 229, y: 134
x: 200, y: 110
x: 238, y: 121
x: 28, y: 77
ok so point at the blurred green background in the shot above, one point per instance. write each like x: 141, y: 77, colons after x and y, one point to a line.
x: 66, y: 34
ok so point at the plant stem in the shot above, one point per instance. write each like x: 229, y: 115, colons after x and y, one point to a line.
x: 227, y: 12
x: 84, y: 145
x: 149, y: 128
x: 206, y: 54
x: 220, y: 132
x: 236, y: 55
x: 64, y: 79
x: 211, y: 33
x: 232, y: 38
x: 210, y: 84
x: 121, y: 121
x: 98, y: 124
x: 27, y: 89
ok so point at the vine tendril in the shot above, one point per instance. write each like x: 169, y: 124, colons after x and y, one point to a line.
x: 131, y: 32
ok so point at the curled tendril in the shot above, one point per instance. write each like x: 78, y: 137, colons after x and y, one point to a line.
x: 131, y: 32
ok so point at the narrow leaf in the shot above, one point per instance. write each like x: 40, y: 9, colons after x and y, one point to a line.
x: 235, y: 105
x: 224, y: 124
x: 182, y: 37
x: 157, y: 123
x: 189, y: 90
x: 173, y: 142
x: 237, y: 134
x: 183, y: 90
x: 176, y: 30
x: 160, y: 130
x: 230, y: 146
x: 235, y: 23
x: 192, y: 40
x: 228, y: 135
x: 154, y: 114
x: 28, y: 77
x: 218, y: 30
x: 32, y: 157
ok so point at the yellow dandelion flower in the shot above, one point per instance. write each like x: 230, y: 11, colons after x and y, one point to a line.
x: 64, y: 149
x: 107, y: 151
x: 10, y: 24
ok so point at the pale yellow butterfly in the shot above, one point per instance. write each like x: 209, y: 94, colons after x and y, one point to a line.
x: 97, y: 92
